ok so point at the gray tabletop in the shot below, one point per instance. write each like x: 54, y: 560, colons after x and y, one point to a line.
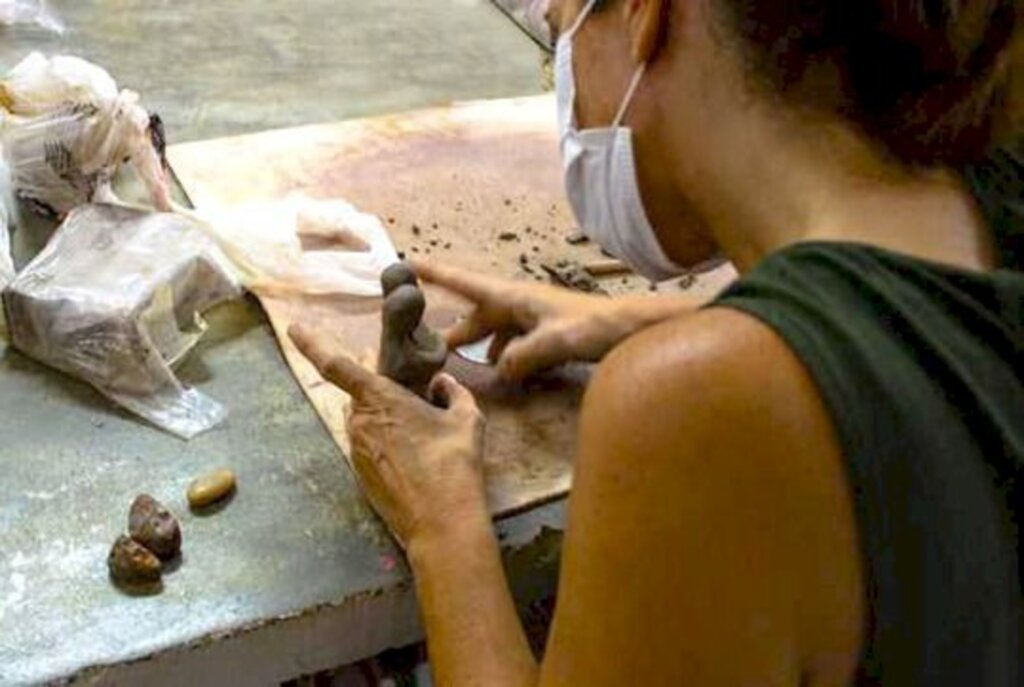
x: 294, y: 575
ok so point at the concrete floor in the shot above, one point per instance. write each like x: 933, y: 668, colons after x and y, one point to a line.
x: 223, y: 67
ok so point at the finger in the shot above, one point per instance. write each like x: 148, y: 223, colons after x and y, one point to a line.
x: 447, y: 392
x: 475, y: 287
x: 336, y: 368
x: 541, y: 350
x: 468, y: 330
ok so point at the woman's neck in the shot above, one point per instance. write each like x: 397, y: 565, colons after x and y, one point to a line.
x: 778, y: 183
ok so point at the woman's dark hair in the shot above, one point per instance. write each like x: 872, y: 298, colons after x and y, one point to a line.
x: 935, y: 81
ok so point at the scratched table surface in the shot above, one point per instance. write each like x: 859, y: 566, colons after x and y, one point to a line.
x: 294, y: 575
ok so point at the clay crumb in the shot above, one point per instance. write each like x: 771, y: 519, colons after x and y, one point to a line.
x: 415, y: 230
x: 508, y: 236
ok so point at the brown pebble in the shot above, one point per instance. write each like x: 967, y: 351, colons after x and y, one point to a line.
x: 153, y: 526
x: 131, y: 563
x: 210, y: 488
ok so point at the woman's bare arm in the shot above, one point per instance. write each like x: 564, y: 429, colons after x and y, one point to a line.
x: 711, y: 539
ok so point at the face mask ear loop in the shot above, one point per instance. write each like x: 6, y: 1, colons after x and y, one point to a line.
x: 584, y: 13
x: 630, y: 92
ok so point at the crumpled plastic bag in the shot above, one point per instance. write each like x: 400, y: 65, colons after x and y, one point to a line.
x: 70, y: 130
x: 39, y: 84
x: 6, y: 210
x: 302, y: 245
x: 36, y: 12
x: 115, y: 299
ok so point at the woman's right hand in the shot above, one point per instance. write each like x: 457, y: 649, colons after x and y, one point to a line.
x: 535, y: 326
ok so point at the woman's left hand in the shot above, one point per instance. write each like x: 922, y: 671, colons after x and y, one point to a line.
x: 420, y: 465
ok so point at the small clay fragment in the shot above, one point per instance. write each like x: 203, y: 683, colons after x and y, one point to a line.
x: 508, y: 236
x: 131, y: 563
x: 571, y: 274
x: 153, y: 526
x: 577, y: 238
x: 410, y: 352
x: 210, y: 488
x: 687, y: 282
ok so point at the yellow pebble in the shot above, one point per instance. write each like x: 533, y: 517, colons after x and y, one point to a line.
x: 210, y: 488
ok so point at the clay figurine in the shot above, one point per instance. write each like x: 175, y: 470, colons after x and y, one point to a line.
x: 410, y: 352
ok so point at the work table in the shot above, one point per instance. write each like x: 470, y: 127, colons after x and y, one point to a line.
x: 294, y: 575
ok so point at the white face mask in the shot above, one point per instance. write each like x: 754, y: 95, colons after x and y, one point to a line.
x: 600, y: 174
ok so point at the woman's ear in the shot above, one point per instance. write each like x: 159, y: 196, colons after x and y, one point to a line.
x: 648, y: 24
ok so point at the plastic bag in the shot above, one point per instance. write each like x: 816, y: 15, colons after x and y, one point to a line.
x: 70, y: 131
x: 30, y: 12
x: 302, y: 245
x: 6, y: 211
x: 115, y: 299
x: 39, y: 84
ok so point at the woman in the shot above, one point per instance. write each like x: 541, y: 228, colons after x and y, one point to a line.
x: 811, y: 481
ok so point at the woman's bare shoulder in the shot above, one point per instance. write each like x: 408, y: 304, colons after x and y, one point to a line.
x: 703, y: 439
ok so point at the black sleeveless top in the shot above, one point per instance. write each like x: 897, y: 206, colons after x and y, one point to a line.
x: 921, y: 367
